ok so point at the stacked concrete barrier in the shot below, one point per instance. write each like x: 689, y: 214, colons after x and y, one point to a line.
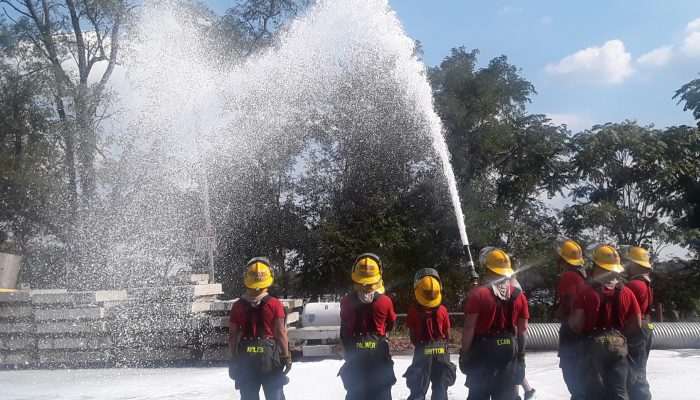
x: 162, y: 324
x: 72, y: 328
x: 17, y: 340
x: 182, y: 322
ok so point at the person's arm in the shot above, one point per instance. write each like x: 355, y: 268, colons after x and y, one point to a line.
x: 446, y: 324
x: 468, y: 331
x: 577, y: 320
x: 391, y: 316
x: 633, y: 319
x: 633, y: 325
x: 281, y: 335
x: 233, y: 333
x: 521, y: 325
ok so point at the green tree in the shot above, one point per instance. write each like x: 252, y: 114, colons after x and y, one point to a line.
x: 506, y: 160
x: 620, y: 185
x: 689, y: 94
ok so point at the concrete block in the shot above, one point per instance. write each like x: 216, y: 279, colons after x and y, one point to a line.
x: 218, y: 322
x: 12, y: 311
x: 69, y: 357
x: 16, y: 358
x: 68, y: 314
x: 215, y: 354
x: 155, y: 354
x: 82, y: 343
x: 174, y: 293
x: 155, y: 340
x: 314, y: 333
x: 215, y: 338
x: 199, y: 279
x: 158, y: 323
x: 16, y: 327
x: 79, y: 297
x: 17, y: 343
x: 321, y: 350
x: 15, y: 297
x: 290, y: 304
x: 112, y: 304
x: 206, y: 290
x: 292, y: 317
x: 137, y: 311
x: 57, y: 328
x: 222, y: 305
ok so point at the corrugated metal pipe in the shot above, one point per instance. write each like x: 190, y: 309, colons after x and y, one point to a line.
x: 667, y: 335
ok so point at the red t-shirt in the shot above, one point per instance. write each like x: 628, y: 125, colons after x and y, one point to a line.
x: 270, y: 311
x: 570, y: 283
x: 420, y: 322
x: 642, y: 292
x: 376, y: 317
x: 589, y: 301
x: 482, y: 301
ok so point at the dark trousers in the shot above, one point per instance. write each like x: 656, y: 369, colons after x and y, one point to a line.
x: 638, y: 386
x: 368, y: 375
x: 493, y: 369
x: 272, y: 385
x: 569, y: 354
x: 603, y: 367
x: 430, y: 370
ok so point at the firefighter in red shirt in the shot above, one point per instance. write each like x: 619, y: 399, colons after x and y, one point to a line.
x: 573, y: 279
x: 605, y: 312
x: 365, y: 318
x: 429, y: 327
x: 258, y: 337
x: 494, y: 332
x: 638, y: 267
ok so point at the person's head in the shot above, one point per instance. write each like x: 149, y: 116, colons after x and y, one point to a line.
x: 497, y: 263
x: 569, y: 254
x: 427, y: 287
x: 258, y: 276
x: 636, y: 260
x: 606, y: 263
x: 367, y: 273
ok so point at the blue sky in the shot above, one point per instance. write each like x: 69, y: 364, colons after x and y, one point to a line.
x: 591, y: 61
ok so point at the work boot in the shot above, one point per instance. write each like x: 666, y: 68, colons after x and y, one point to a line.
x: 531, y: 394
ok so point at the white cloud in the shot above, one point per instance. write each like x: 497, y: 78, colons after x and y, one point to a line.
x: 656, y: 58
x: 608, y: 64
x: 691, y: 44
x: 509, y: 10
x: 545, y: 20
x: 693, y: 26
x: 573, y: 121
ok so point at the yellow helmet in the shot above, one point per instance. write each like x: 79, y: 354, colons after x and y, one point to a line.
x: 258, y: 274
x: 571, y: 252
x: 606, y: 257
x: 497, y: 261
x: 380, y: 287
x: 367, y: 269
x: 427, y: 287
x: 637, y: 255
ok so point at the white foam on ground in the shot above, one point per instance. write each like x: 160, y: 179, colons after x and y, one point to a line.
x: 672, y: 375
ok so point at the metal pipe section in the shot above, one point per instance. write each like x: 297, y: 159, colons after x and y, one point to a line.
x: 667, y: 335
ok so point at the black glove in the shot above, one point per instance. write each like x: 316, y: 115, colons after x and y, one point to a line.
x: 464, y: 358
x: 287, y: 363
